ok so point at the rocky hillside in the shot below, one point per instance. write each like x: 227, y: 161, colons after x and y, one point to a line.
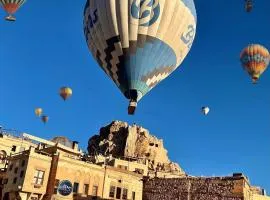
x: 122, y: 140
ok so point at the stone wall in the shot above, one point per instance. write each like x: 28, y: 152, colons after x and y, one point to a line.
x: 191, y: 188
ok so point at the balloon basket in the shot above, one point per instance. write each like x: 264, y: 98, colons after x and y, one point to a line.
x: 132, y: 107
x: 254, y: 80
x: 10, y: 18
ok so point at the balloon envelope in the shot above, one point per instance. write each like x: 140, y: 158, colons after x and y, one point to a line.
x: 255, y: 60
x: 65, y: 92
x: 248, y: 5
x: 11, y: 6
x: 138, y: 43
x: 38, y: 112
x: 45, y: 119
x: 205, y: 110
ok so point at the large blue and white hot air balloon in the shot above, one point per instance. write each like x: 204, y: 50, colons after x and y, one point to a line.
x: 138, y: 43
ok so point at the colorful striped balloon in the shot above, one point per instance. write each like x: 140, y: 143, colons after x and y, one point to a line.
x: 11, y: 6
x: 65, y: 92
x: 138, y: 43
x: 255, y: 59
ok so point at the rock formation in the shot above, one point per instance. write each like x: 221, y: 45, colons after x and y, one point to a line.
x: 121, y: 140
x: 62, y: 140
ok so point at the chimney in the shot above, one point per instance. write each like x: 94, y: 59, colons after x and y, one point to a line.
x: 75, y: 145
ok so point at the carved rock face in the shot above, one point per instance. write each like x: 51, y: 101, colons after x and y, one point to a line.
x: 111, y: 138
x: 121, y: 140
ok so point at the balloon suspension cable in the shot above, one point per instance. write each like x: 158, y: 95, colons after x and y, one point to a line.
x: 132, y: 107
x: 10, y: 18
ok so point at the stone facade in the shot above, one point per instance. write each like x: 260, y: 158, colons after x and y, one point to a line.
x: 35, y: 174
x: 10, y: 144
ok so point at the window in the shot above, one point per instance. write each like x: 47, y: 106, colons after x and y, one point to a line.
x: 85, y: 188
x: 38, y: 177
x: 133, y: 195
x: 125, y: 193
x: 112, y: 191
x: 95, y: 191
x: 15, y: 180
x: 16, y: 170
x: 122, y: 167
x: 21, y: 174
x: 23, y: 163
x: 75, y: 187
x: 118, y: 193
x: 13, y: 148
x: 11, y: 167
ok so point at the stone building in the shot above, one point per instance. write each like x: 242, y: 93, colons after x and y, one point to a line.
x: 11, y: 142
x: 37, y: 172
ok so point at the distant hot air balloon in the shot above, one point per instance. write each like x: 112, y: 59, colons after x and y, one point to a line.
x: 38, y: 112
x: 65, y: 92
x: 44, y: 119
x: 248, y: 5
x: 138, y: 43
x: 11, y: 6
x: 255, y: 60
x: 205, y: 110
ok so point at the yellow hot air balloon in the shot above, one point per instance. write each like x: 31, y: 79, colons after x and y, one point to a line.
x: 255, y: 60
x: 45, y: 119
x: 38, y: 112
x: 65, y: 92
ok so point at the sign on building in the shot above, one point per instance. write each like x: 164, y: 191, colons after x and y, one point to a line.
x: 65, y: 188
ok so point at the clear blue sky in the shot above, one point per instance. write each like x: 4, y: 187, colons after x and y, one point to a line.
x: 46, y: 49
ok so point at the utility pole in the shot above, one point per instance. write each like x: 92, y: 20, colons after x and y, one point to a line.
x: 104, y: 179
x: 189, y: 187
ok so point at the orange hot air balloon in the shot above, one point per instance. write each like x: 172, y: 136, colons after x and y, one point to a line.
x: 11, y: 6
x: 44, y: 119
x: 38, y: 112
x: 255, y: 60
x: 65, y: 92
